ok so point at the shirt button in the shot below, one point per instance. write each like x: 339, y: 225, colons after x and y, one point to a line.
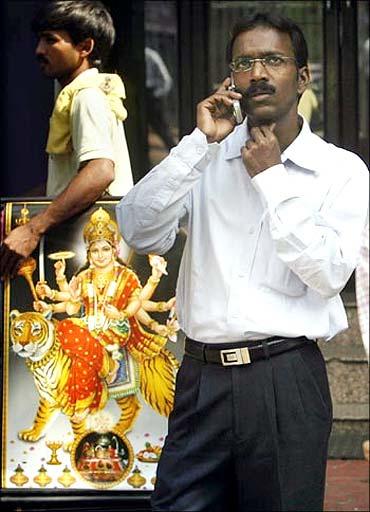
x: 200, y: 150
x: 251, y: 231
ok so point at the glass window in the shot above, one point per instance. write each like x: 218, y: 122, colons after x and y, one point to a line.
x: 307, y: 14
x: 161, y: 78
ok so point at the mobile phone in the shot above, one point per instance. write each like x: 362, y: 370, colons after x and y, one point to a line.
x: 237, y: 111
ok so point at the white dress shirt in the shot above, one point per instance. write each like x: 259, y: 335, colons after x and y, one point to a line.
x: 362, y: 290
x: 265, y: 256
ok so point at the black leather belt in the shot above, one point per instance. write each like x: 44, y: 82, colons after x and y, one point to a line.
x: 242, y: 352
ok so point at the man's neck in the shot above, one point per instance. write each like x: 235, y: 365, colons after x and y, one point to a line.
x: 287, y: 130
x: 65, y: 80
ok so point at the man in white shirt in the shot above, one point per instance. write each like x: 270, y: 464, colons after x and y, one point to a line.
x: 362, y: 301
x: 274, y: 217
x: 362, y: 290
x: 87, y: 147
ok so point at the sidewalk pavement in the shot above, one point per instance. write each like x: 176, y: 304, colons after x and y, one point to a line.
x: 347, y: 486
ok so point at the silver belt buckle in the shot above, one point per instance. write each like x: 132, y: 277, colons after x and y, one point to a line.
x: 235, y: 356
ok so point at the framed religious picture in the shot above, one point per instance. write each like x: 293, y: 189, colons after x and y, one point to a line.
x: 90, y: 351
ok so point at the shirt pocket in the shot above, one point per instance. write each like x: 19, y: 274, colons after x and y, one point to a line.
x: 279, y: 277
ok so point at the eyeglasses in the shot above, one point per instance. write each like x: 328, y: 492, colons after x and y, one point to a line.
x: 273, y: 62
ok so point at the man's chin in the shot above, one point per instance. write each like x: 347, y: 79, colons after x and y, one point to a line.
x: 260, y: 120
x: 47, y: 72
x: 258, y: 114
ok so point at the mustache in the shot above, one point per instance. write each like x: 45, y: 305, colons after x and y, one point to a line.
x: 257, y: 88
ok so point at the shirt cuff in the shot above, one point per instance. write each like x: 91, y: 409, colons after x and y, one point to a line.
x: 194, y: 150
x: 274, y: 186
x: 94, y: 154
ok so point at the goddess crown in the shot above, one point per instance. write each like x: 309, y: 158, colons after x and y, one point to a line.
x: 101, y: 227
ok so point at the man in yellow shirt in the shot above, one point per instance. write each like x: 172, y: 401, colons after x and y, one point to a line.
x: 86, y: 144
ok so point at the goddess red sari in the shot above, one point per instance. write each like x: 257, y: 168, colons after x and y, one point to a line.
x: 88, y: 339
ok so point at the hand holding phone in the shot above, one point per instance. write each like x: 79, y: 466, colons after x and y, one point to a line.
x: 237, y: 111
x: 215, y: 114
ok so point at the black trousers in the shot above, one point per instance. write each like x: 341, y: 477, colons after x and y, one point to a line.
x: 247, y: 438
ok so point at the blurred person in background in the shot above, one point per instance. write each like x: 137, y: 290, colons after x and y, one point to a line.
x: 158, y: 85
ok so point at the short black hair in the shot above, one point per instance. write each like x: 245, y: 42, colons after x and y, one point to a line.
x: 81, y: 19
x: 272, y: 20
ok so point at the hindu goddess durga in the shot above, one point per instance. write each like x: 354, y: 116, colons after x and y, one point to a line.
x: 111, y: 309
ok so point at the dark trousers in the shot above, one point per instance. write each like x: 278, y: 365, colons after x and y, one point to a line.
x: 247, y: 438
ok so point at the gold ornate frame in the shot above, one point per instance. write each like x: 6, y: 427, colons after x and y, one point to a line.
x: 28, y: 465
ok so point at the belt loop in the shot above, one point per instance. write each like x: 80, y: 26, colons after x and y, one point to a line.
x: 204, y: 353
x: 266, y: 350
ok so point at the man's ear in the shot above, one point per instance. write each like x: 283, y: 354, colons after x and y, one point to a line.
x: 304, y: 79
x: 86, y: 46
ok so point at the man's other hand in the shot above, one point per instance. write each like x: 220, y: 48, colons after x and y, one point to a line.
x: 262, y: 150
x: 19, y: 244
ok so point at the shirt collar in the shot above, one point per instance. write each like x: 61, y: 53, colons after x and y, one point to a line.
x: 304, y: 151
x: 90, y: 72
x: 236, y: 140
